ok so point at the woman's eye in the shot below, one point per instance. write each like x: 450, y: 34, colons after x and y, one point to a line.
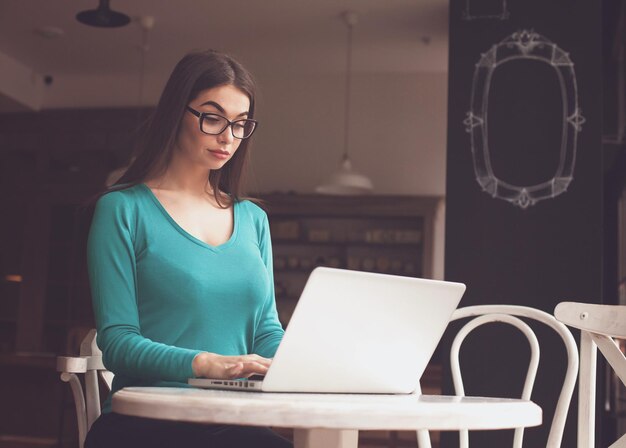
x: 212, y: 119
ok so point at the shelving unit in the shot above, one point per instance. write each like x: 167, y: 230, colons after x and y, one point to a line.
x: 386, y: 234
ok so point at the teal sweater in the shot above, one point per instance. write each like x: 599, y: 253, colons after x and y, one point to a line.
x: 161, y: 296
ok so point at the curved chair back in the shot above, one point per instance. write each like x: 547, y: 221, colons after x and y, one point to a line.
x: 599, y: 326
x: 87, y: 400
x: 510, y: 314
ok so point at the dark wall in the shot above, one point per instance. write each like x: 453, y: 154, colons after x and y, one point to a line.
x: 535, y: 254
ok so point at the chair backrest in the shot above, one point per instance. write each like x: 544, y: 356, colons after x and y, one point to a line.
x: 599, y: 325
x: 87, y: 400
x: 510, y: 314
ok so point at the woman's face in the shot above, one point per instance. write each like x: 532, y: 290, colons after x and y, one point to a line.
x: 212, y: 151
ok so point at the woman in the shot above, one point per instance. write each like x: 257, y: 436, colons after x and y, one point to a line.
x: 180, y: 264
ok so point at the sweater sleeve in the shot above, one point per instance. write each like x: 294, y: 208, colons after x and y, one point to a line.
x: 111, y: 256
x: 269, y: 332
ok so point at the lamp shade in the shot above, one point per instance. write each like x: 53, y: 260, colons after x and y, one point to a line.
x: 346, y: 181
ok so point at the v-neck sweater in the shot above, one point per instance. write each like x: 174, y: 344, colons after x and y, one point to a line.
x: 161, y: 295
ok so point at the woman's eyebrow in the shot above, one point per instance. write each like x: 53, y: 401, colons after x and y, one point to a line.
x: 220, y: 108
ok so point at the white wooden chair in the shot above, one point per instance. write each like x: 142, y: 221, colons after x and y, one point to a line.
x: 598, y: 325
x: 87, y: 400
x: 510, y: 314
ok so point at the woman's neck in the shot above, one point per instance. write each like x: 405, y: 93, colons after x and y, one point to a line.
x: 183, y: 178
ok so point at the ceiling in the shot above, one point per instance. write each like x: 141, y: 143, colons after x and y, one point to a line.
x: 271, y: 37
x: 392, y: 35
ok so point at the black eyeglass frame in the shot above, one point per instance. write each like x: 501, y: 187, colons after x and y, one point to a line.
x: 229, y: 123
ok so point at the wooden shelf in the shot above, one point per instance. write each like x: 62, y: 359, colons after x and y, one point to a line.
x: 342, y: 243
x: 39, y: 360
x: 20, y: 441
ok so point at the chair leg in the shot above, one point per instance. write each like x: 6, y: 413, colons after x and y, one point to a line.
x: 92, y: 398
x: 423, y: 438
x: 464, y: 438
x: 518, y: 438
x: 587, y: 391
x: 79, y: 403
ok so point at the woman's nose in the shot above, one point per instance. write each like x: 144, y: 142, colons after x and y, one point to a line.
x: 227, y: 135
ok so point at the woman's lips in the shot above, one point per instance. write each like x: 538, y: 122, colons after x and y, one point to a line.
x: 218, y: 153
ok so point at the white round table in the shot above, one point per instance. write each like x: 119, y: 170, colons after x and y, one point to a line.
x: 326, y: 419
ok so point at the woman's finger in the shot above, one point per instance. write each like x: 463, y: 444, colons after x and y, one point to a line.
x: 234, y: 369
x: 252, y: 368
x: 256, y: 358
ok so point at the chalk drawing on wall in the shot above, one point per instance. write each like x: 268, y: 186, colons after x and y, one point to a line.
x: 485, y: 9
x: 529, y: 45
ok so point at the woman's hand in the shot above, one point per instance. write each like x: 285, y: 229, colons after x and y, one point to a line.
x: 211, y: 365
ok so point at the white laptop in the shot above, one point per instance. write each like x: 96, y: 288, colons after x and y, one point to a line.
x: 357, y: 332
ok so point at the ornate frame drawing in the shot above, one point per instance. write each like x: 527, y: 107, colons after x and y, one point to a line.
x: 525, y: 44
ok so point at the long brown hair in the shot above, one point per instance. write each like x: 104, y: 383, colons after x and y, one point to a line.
x: 194, y: 73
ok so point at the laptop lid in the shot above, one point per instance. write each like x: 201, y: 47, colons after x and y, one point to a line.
x: 361, y: 332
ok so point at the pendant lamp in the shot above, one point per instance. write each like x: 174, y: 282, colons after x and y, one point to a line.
x: 347, y: 181
x: 103, y: 17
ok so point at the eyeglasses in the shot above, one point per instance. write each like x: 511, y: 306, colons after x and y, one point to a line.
x: 214, y: 124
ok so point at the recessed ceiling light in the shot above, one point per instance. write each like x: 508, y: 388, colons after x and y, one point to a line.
x: 49, y: 32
